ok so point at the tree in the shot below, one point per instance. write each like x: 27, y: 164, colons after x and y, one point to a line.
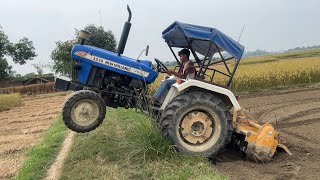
x: 39, y: 68
x: 61, y: 57
x: 30, y: 75
x: 61, y: 54
x: 101, y: 38
x: 4, y: 68
x: 19, y: 52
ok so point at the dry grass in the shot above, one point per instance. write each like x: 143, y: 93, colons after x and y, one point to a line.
x: 7, y: 101
x: 29, y: 89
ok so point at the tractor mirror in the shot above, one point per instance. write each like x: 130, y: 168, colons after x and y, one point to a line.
x: 147, y: 50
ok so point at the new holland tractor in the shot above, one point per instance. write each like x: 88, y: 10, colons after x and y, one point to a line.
x: 198, y: 116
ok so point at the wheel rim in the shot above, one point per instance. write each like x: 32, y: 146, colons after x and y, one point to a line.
x: 85, y: 112
x: 199, y: 130
x: 196, y: 127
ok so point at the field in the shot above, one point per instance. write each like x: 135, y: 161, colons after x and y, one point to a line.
x: 127, y: 146
x: 22, y: 127
x: 8, y: 101
x: 297, y: 112
x: 272, y: 71
x: 282, y: 70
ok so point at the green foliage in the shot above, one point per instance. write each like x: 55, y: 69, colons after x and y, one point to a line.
x: 30, y: 75
x: 257, y: 52
x: 61, y: 57
x: 61, y: 54
x: 101, y: 38
x: 19, y: 52
x: 3, y: 43
x: 305, y: 48
x: 4, y: 68
x: 39, y: 68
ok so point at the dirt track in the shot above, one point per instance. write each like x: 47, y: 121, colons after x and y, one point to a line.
x: 22, y: 127
x: 298, y: 116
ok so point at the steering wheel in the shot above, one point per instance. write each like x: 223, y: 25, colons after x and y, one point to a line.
x: 160, y: 66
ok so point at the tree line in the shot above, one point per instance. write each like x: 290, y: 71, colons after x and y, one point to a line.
x: 24, y: 51
x: 20, y: 52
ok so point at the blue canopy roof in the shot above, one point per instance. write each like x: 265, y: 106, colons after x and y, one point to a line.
x: 178, y: 34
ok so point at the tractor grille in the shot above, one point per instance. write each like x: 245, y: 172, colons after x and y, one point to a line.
x: 75, y: 70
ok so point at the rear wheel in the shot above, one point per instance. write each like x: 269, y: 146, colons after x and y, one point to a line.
x: 83, y: 111
x: 197, y: 123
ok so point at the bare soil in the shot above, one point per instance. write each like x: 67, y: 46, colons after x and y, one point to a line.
x: 22, y: 127
x: 298, y: 115
x: 297, y: 112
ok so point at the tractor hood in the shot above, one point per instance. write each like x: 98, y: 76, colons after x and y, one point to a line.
x: 89, y: 56
x: 180, y: 34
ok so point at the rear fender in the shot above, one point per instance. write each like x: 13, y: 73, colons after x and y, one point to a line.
x: 224, y: 94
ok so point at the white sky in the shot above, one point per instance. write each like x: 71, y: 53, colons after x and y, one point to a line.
x: 273, y: 25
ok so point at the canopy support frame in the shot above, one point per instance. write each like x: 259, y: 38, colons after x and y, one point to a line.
x: 205, y: 64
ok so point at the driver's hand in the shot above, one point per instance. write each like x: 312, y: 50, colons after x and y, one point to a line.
x: 169, y: 72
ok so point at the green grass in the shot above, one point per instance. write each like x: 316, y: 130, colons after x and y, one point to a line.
x: 8, y: 101
x: 128, y: 146
x: 281, y: 56
x: 41, y: 156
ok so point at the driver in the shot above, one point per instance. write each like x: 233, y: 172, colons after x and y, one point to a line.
x: 186, y: 71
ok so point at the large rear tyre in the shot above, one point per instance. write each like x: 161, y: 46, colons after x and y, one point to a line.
x: 197, y: 123
x: 83, y: 111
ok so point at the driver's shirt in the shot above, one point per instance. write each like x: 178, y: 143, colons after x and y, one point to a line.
x: 187, y: 65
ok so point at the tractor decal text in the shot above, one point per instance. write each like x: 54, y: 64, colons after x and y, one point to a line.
x: 113, y: 64
x: 81, y: 53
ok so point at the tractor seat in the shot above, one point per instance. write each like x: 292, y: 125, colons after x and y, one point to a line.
x: 202, y: 77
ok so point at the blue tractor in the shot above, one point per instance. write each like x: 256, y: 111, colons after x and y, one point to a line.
x: 197, y: 115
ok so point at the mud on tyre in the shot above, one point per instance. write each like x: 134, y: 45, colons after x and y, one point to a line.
x: 83, y: 111
x: 197, y: 123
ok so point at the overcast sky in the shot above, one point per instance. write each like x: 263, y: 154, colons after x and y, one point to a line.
x: 272, y: 25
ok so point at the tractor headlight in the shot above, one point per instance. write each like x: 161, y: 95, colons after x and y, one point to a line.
x: 83, y: 35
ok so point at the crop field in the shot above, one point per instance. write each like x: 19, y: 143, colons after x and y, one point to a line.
x: 8, y: 101
x: 22, y: 127
x: 289, y: 72
x: 273, y: 71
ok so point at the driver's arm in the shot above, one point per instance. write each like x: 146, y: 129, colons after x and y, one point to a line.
x: 189, y: 69
x: 179, y: 75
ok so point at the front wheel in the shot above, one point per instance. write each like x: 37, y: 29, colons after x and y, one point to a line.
x: 83, y: 111
x: 197, y: 123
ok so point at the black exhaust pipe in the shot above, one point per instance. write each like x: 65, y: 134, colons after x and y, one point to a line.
x: 125, y: 34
